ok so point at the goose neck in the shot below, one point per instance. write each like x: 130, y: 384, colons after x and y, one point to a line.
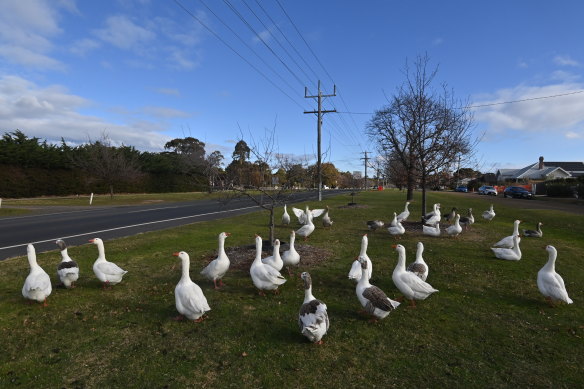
x: 308, y: 294
x: 551, y: 263
x: 186, y: 263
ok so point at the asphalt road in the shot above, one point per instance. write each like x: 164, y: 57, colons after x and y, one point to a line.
x: 77, y: 226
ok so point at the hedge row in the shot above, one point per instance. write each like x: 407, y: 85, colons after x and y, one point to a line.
x: 18, y: 182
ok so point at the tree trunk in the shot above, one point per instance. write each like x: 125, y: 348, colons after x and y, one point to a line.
x: 410, y: 186
x: 111, y: 191
x: 272, y: 225
x: 423, y: 193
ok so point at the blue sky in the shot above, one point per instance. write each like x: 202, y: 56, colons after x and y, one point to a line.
x: 145, y: 71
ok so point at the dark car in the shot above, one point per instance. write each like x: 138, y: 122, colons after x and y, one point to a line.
x: 461, y: 188
x: 517, y: 192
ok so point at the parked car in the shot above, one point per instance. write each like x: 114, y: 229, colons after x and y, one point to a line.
x: 487, y: 190
x: 461, y: 188
x: 517, y: 192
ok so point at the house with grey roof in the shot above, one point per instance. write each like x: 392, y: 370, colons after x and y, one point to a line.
x: 541, y: 171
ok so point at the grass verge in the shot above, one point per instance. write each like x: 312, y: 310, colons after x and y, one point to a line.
x: 487, y: 327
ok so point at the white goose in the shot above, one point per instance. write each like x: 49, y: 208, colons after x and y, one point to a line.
x: 107, y: 272
x: 537, y: 233
x: 307, y: 214
x: 431, y: 231
x: 264, y: 276
x: 433, y: 218
x: 312, y: 318
x: 67, y: 270
x: 355, y: 272
x: 489, y: 214
x: 188, y: 296
x: 373, y: 299
x: 217, y: 268
x: 507, y: 241
x: 550, y: 283
x: 291, y: 257
x: 274, y: 260
x: 306, y: 229
x: 419, y: 266
x: 412, y: 286
x: 285, y: 217
x: 37, y: 285
x: 300, y: 214
x: 398, y: 229
x: 455, y: 229
x: 326, y: 219
x: 512, y: 254
x: 405, y: 214
x: 394, y: 221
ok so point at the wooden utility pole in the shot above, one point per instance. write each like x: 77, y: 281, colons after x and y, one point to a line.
x: 365, y: 160
x: 319, y: 113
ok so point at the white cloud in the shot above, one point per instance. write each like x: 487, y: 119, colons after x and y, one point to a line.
x: 52, y: 112
x: 556, y: 115
x: 83, y: 46
x: 165, y: 112
x: 26, y: 30
x: 565, y: 60
x: 574, y: 135
x: 123, y: 33
x: 561, y: 75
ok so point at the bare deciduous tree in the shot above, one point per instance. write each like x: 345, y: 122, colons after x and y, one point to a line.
x: 425, y: 129
x: 106, y: 163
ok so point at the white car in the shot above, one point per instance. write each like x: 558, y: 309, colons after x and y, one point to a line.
x: 487, y: 190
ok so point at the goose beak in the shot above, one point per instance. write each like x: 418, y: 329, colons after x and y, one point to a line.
x: 228, y: 233
x: 91, y: 240
x: 175, y: 254
x: 394, y: 246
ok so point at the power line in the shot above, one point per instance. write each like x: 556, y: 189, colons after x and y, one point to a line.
x: 235, y: 51
x: 275, y: 38
x: 489, y: 104
x: 240, y: 16
x: 519, y: 101
x: 238, y: 36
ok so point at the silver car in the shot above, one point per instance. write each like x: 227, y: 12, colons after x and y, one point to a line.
x: 487, y: 190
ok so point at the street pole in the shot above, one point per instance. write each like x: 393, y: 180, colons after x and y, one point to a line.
x: 319, y: 113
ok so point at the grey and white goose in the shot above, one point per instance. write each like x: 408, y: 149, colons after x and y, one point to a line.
x: 312, y: 318
x: 373, y: 299
x: 451, y: 215
x: 419, y: 267
x: 67, y: 270
x: 537, y: 233
x: 467, y: 221
x: 375, y: 224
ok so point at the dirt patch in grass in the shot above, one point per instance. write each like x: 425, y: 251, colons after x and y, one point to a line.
x: 353, y: 206
x: 241, y: 257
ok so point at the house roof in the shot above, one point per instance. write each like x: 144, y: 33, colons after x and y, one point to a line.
x: 533, y: 171
x: 568, y: 166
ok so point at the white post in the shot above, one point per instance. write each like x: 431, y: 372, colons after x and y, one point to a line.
x: 91, y: 198
x: 0, y: 202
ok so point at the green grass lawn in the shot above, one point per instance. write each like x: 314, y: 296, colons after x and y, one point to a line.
x: 488, y: 326
x: 106, y: 200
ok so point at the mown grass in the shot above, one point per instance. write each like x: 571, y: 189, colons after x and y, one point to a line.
x: 8, y: 212
x: 487, y: 327
x: 106, y: 199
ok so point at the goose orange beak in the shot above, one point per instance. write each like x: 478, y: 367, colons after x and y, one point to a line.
x: 175, y: 254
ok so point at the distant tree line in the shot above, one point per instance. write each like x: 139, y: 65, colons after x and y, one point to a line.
x: 32, y: 167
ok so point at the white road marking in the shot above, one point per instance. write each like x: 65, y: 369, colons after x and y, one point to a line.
x: 130, y: 226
